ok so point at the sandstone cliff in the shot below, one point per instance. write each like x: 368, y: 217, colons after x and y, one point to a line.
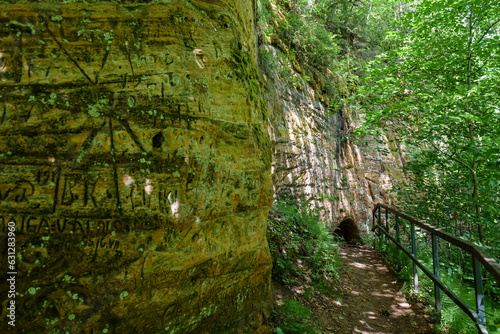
x: 135, y: 163
x: 313, y: 156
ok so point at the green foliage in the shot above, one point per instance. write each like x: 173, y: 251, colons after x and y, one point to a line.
x: 300, y: 243
x: 309, y: 51
x: 455, y: 320
x: 294, y: 317
x: 361, y: 25
x: 302, y: 253
x: 437, y: 90
x: 307, y: 35
x: 324, y: 43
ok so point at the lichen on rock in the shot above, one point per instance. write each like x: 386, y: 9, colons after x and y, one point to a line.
x: 135, y: 165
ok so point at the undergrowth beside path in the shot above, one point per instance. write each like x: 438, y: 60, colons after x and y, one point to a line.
x: 305, y: 265
x: 321, y: 290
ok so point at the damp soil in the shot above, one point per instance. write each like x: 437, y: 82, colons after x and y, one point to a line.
x: 369, y: 299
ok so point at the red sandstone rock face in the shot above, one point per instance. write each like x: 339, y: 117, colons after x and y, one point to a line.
x: 136, y: 165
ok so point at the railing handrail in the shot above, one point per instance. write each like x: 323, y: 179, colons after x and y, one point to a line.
x: 488, y: 262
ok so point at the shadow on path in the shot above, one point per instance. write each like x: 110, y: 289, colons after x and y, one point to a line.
x: 371, y: 301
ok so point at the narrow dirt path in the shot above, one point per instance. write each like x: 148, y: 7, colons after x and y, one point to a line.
x: 370, y: 300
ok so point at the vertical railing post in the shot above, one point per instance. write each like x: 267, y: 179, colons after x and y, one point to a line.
x: 387, y: 229
x: 478, y: 284
x: 374, y: 230
x: 379, y: 217
x: 435, y: 263
x: 398, y: 239
x: 414, y: 252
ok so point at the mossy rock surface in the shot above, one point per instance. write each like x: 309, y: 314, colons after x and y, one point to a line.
x: 135, y: 165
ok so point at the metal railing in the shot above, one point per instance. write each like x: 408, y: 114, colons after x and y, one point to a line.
x: 478, y: 256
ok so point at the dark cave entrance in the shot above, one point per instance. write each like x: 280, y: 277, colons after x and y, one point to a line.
x: 348, y: 229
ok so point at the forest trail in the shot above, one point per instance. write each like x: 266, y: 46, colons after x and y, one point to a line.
x: 370, y: 299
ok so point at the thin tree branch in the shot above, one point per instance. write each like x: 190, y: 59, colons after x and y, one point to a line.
x: 450, y: 156
x: 487, y: 31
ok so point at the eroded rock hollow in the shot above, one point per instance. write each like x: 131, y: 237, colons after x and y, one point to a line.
x: 135, y: 164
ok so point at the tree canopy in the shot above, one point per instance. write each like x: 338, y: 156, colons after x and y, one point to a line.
x: 437, y: 86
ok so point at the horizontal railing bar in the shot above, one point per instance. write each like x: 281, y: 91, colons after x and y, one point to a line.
x: 469, y: 311
x: 488, y: 262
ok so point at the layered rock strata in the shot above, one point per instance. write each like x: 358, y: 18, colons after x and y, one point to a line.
x: 314, y: 158
x: 135, y: 164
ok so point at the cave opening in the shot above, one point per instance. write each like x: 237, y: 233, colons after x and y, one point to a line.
x: 348, y: 229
